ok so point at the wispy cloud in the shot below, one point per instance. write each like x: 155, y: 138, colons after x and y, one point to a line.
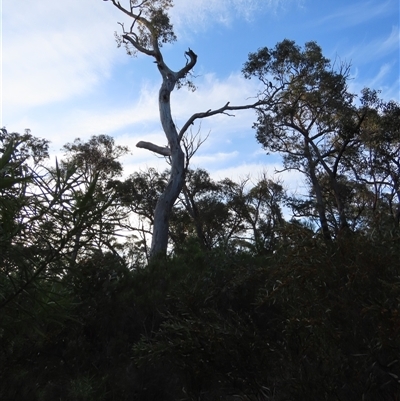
x: 357, y: 13
x: 201, y: 14
x: 381, y: 56
x: 386, y: 80
x: 392, y: 42
x: 364, y: 53
x: 383, y: 72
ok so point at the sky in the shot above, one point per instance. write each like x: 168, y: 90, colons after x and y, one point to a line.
x: 63, y: 77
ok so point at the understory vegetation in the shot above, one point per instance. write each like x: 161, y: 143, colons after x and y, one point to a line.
x: 276, y: 314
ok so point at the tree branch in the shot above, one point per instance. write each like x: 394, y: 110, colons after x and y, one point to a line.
x: 138, y: 47
x: 210, y: 113
x: 189, y: 65
x: 131, y: 14
x: 137, y: 17
x: 161, y: 150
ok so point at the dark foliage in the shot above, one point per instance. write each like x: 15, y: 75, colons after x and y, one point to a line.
x: 309, y: 322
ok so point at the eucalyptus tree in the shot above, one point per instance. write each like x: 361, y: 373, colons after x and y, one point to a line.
x: 52, y: 216
x: 139, y: 194
x: 307, y: 115
x: 203, y: 211
x: 242, y: 214
x: 376, y: 161
x: 20, y: 264
x: 20, y: 154
x: 259, y: 206
x: 150, y: 28
x: 94, y: 211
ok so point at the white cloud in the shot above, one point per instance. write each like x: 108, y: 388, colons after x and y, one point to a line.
x: 215, y: 158
x: 138, y: 120
x: 213, y: 93
x: 140, y: 112
x: 200, y: 14
x: 292, y: 181
x: 54, y: 53
x: 53, y: 50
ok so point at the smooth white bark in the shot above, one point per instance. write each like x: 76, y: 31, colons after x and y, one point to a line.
x: 161, y: 150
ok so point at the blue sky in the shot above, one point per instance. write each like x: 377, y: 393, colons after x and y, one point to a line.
x: 64, y: 77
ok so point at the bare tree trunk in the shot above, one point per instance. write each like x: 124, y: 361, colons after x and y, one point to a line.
x: 166, y: 201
